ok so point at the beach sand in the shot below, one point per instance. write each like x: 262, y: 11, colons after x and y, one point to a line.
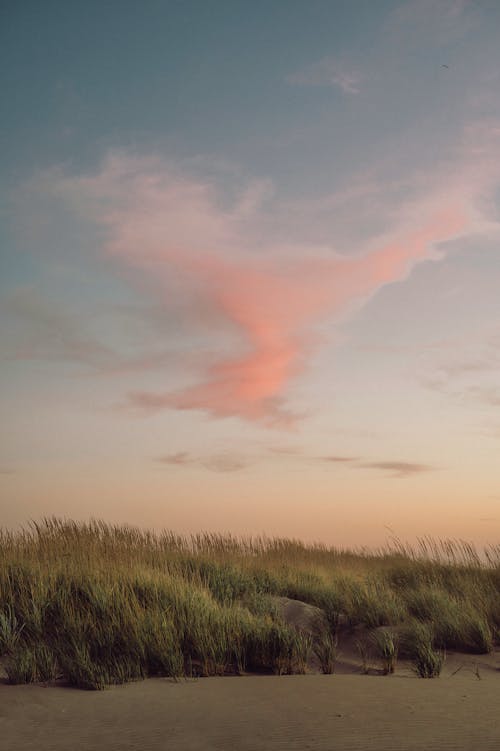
x: 457, y: 711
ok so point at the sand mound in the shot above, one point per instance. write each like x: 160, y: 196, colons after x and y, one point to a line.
x: 301, y: 615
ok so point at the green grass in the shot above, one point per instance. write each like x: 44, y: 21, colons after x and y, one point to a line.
x: 419, y: 643
x: 386, y: 643
x: 96, y: 604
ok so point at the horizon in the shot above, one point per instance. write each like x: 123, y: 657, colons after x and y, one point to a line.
x: 250, y: 268
x: 446, y: 551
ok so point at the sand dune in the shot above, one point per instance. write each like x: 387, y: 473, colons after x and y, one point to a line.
x: 322, y: 713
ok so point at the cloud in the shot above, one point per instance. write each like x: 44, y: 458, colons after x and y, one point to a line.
x: 341, y: 459
x: 264, y: 295
x: 485, y: 394
x: 223, y: 462
x: 327, y: 72
x: 230, y: 462
x: 36, y: 327
x: 396, y: 468
x: 474, y: 377
x: 274, y: 303
x: 178, y: 459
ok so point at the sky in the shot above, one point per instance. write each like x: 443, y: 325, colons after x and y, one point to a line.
x: 250, y: 266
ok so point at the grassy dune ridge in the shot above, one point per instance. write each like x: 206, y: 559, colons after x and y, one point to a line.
x: 98, y: 604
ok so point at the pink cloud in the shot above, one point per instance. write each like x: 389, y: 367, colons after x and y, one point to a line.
x: 268, y: 297
x: 275, y: 310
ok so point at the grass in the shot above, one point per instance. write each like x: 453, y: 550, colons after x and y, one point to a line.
x: 324, y: 645
x: 96, y: 604
x: 386, y: 643
x: 419, y: 639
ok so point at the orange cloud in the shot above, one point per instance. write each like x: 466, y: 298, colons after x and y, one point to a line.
x: 275, y: 311
x: 270, y: 298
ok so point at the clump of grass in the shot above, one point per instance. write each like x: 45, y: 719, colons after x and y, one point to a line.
x: 325, y: 646
x: 418, y: 639
x: 10, y: 630
x: 261, y: 605
x: 31, y: 664
x: 301, y: 650
x: 21, y: 666
x: 272, y: 646
x: 84, y: 669
x: 332, y: 602
x: 364, y: 653
x: 162, y: 651
x: 476, y: 633
x: 457, y: 624
x: 386, y: 642
x: 289, y: 650
x: 225, y: 581
x: 371, y: 603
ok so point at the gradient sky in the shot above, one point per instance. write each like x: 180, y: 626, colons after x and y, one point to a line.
x: 250, y: 266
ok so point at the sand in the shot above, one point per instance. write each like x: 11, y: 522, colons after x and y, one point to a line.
x: 459, y: 712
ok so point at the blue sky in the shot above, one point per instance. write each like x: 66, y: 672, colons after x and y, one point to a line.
x: 249, y: 266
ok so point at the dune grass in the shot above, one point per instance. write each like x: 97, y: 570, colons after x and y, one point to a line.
x: 419, y: 641
x: 97, y: 604
x: 386, y: 643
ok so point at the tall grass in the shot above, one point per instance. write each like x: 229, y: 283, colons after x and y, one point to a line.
x: 419, y: 642
x: 96, y: 604
x: 386, y: 643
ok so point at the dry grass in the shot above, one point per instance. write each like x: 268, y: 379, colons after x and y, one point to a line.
x: 98, y: 604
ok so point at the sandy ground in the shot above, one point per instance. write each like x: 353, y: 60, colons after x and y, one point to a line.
x: 458, y: 711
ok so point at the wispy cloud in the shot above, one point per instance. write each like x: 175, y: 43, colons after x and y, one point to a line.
x: 264, y: 296
x: 341, y: 459
x: 223, y: 462
x: 274, y: 311
x: 397, y: 469
x: 328, y: 72
x: 178, y: 459
x: 36, y: 327
x: 232, y: 462
x: 485, y: 394
x: 471, y: 378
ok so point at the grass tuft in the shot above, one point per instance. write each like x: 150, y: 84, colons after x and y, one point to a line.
x: 386, y: 644
x: 418, y: 640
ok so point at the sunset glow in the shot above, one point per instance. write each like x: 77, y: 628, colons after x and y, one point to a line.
x: 251, y: 269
